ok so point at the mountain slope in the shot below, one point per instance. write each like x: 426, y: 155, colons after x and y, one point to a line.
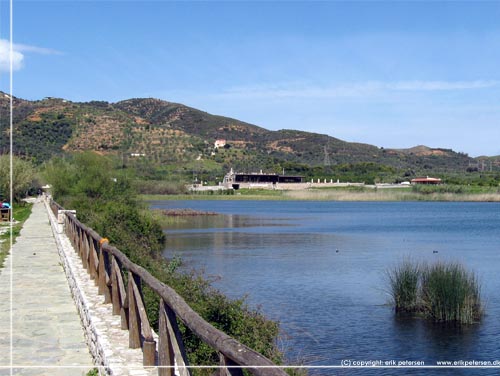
x: 165, y: 132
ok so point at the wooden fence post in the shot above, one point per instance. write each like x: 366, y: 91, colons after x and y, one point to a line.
x: 80, y: 242
x: 121, y: 293
x: 148, y: 343
x: 224, y: 370
x: 175, y: 339
x: 166, y: 359
x: 148, y: 353
x: 134, y: 324
x: 115, y: 292
x: 92, y: 258
x: 103, y: 273
x: 85, y: 248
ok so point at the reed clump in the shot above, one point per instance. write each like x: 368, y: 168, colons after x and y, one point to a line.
x: 441, y: 292
x: 403, y: 281
x: 451, y: 293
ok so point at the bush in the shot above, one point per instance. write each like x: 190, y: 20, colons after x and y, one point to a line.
x: 160, y: 187
x: 22, y: 177
x: 442, y: 292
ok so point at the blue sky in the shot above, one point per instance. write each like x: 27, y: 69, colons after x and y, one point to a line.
x: 393, y: 74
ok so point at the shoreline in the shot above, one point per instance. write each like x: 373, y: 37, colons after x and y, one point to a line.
x: 335, y: 195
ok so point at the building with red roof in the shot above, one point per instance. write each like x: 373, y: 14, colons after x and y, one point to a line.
x: 426, y: 180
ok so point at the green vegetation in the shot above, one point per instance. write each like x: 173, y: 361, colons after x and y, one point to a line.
x: 353, y: 193
x: 160, y: 187
x: 451, y: 293
x: 23, y: 180
x: 442, y: 292
x: 396, y: 194
x: 104, y: 198
x: 38, y: 139
x: 242, y: 194
x: 403, y: 285
x: 23, y: 177
x: 455, y: 189
x: 20, y: 213
x: 93, y: 372
x: 159, y: 142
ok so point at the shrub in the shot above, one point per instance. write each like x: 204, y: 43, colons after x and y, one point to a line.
x: 160, y: 187
x: 22, y: 177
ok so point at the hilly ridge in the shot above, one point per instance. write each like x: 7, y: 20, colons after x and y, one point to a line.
x: 171, y: 133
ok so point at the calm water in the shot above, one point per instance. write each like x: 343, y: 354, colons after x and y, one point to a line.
x: 318, y: 268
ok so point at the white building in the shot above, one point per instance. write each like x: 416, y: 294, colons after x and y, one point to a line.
x: 219, y: 143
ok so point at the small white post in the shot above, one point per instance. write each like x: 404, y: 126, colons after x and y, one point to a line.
x: 62, y: 213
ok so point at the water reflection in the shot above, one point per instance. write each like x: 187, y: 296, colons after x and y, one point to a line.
x: 435, y: 338
x: 224, y: 221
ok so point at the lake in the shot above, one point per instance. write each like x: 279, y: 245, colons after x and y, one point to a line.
x: 319, y: 268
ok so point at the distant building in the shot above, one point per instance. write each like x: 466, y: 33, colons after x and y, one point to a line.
x: 426, y: 180
x: 219, y: 143
x: 238, y: 180
x: 137, y: 154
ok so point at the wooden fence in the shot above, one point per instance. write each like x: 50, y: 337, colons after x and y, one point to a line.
x: 106, y: 265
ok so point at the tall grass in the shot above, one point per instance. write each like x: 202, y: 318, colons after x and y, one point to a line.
x: 403, y: 281
x: 397, y: 194
x: 441, y: 292
x: 451, y: 293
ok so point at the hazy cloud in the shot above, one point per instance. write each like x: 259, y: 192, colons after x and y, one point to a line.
x: 442, y: 85
x: 360, y: 89
x: 38, y: 50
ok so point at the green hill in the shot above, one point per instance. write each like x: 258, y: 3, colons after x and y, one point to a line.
x: 171, y: 135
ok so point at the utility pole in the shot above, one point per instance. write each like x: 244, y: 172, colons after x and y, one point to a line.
x: 326, y: 161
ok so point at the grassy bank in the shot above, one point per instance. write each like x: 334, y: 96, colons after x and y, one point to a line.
x: 242, y: 194
x: 442, y: 193
x: 21, y: 213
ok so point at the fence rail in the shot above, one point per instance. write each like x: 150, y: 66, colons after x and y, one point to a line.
x: 107, y: 266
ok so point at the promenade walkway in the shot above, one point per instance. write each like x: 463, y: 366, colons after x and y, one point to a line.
x: 46, y: 337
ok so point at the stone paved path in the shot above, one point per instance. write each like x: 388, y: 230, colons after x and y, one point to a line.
x: 47, y: 336
x: 108, y: 342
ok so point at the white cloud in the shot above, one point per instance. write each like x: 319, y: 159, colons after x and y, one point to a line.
x: 5, y: 58
x: 18, y: 51
x: 359, y: 89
